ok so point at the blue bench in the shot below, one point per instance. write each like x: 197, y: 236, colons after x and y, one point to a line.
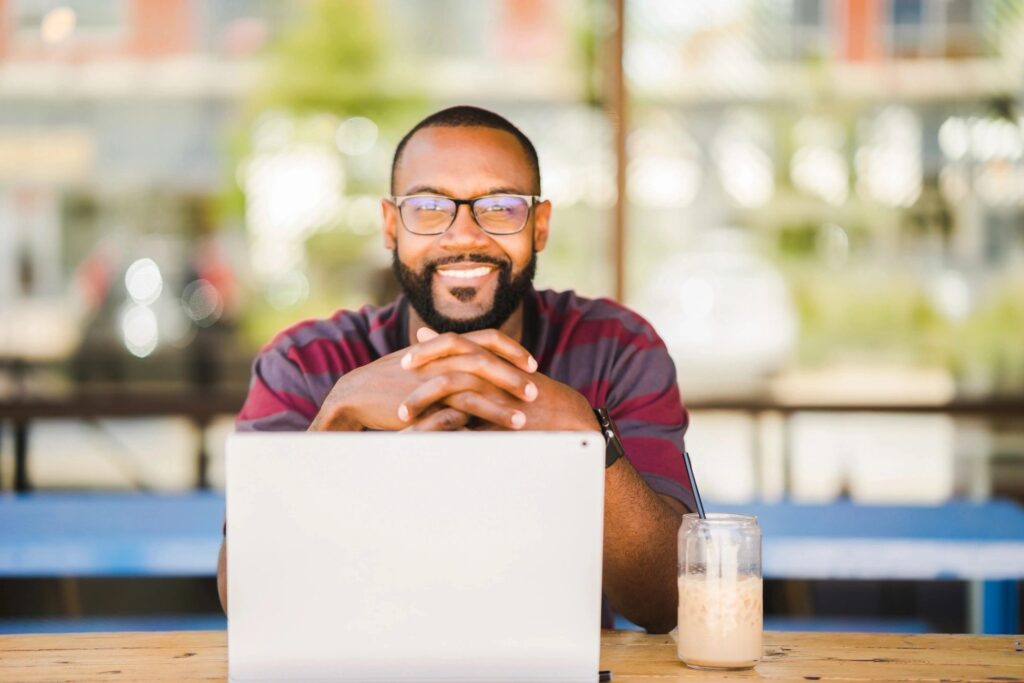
x: 110, y: 534
x: 982, y: 543
x: 135, y: 534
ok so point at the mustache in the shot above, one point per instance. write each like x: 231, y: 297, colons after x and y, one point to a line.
x: 463, y: 258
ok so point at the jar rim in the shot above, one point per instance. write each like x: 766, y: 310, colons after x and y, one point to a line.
x: 721, y: 518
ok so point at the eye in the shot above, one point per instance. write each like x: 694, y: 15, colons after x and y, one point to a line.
x: 427, y: 204
x: 496, y: 208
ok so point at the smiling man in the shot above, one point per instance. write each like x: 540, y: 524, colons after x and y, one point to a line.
x: 472, y: 345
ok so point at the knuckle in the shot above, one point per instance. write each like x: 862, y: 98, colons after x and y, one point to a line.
x: 466, y: 400
x: 449, y: 419
x: 477, y: 363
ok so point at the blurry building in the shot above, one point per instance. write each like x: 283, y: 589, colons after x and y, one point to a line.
x: 874, y: 149
x: 112, y: 129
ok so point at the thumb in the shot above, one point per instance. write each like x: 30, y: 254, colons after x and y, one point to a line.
x: 425, y: 334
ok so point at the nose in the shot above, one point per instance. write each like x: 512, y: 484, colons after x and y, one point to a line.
x: 464, y: 233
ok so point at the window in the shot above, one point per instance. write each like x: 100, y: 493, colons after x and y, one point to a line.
x: 90, y: 19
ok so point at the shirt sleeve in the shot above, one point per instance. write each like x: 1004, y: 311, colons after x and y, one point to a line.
x: 279, y: 398
x: 645, y: 403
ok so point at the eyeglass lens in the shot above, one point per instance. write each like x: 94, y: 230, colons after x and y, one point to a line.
x: 497, y: 214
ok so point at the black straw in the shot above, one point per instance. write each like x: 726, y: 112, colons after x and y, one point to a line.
x: 693, y: 485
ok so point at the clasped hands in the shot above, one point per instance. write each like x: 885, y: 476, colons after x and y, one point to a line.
x: 482, y: 380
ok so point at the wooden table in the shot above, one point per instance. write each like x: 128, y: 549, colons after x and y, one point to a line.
x: 202, y: 656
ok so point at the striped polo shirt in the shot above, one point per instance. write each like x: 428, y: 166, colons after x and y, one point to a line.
x: 606, y: 352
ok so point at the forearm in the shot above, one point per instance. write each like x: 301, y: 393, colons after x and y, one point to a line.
x: 639, y: 550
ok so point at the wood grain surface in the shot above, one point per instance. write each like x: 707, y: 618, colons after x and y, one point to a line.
x: 202, y: 656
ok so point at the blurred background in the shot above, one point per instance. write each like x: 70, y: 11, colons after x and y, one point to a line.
x: 819, y: 204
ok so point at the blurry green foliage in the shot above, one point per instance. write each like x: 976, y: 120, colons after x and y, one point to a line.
x: 328, y: 64
x: 871, y: 316
x: 986, y: 348
x: 332, y: 59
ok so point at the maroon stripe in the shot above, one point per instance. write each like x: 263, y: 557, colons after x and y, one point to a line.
x: 587, y: 332
x: 596, y: 393
x: 634, y: 372
x: 380, y: 319
x: 663, y: 408
x: 561, y: 307
x: 263, y: 401
x: 328, y: 356
x: 655, y: 456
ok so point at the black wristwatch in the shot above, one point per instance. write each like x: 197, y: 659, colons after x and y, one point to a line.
x: 613, y: 449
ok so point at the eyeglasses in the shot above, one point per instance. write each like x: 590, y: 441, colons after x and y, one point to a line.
x: 496, y: 214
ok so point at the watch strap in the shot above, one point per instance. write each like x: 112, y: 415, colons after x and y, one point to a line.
x: 613, y: 445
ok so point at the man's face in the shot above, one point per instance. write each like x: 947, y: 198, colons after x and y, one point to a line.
x: 462, y: 163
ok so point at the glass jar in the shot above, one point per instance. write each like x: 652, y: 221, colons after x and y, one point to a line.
x: 720, y: 605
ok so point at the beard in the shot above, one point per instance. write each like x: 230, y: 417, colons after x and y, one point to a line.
x: 508, y: 293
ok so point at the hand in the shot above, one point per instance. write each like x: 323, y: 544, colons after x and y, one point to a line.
x: 369, y: 397
x: 534, y: 402
x: 471, y: 376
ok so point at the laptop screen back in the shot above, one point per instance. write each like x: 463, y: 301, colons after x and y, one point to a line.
x: 399, y: 557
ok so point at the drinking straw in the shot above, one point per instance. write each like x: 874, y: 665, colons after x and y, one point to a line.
x: 693, y: 485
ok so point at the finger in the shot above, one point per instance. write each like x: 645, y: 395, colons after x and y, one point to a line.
x: 435, y: 390
x: 425, y: 334
x: 472, y: 397
x: 487, y: 409
x: 505, y: 346
x: 492, y: 370
x: 451, y: 344
x: 444, y: 420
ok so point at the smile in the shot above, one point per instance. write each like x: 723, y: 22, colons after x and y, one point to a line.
x: 465, y: 274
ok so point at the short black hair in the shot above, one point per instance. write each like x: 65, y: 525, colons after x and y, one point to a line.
x: 465, y: 116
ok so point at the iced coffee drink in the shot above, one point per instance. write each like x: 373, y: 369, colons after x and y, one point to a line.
x: 720, y: 605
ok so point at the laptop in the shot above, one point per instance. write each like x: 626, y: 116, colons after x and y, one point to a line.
x: 383, y: 556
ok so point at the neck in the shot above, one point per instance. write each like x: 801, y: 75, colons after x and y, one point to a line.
x: 513, y: 327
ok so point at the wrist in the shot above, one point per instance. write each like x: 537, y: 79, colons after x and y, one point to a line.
x: 335, y: 416
x: 582, y: 417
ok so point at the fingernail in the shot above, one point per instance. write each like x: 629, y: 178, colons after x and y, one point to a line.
x: 518, y: 420
x: 425, y: 333
x: 407, y: 361
x: 403, y: 413
x: 530, y: 391
x: 531, y: 363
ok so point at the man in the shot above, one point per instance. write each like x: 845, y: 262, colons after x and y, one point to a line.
x: 471, y: 345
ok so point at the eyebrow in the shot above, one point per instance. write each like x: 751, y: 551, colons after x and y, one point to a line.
x: 430, y: 189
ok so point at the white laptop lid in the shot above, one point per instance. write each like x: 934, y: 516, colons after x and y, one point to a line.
x: 401, y: 557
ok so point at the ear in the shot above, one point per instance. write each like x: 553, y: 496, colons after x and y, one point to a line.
x: 389, y: 213
x: 541, y: 223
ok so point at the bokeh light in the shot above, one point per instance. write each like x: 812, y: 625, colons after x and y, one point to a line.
x: 144, y: 281
x: 356, y: 136
x: 818, y: 166
x: 202, y: 302
x: 889, y: 159
x: 745, y: 168
x: 58, y: 24
x: 288, y: 290
x: 139, y: 330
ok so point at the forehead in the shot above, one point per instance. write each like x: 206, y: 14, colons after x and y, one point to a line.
x: 463, y: 161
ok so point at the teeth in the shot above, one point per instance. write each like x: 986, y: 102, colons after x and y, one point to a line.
x: 466, y: 274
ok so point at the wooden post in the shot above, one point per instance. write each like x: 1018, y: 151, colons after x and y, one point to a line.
x: 616, y: 107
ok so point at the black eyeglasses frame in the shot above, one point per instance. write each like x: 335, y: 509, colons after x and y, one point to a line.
x: 398, y: 200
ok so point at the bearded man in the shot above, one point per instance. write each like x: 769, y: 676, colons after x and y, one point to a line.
x: 470, y: 344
